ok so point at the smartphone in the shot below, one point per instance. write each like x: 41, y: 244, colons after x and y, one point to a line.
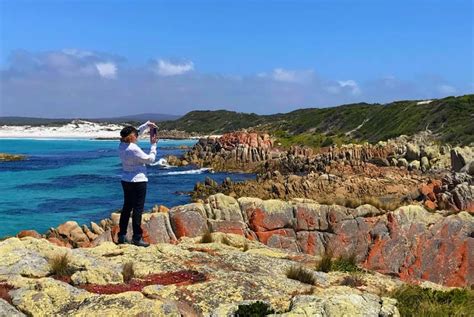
x: 153, y: 132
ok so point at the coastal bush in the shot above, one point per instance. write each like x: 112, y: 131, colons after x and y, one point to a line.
x: 255, y: 309
x: 128, y: 272
x: 207, y: 237
x: 449, y: 118
x: 246, y: 247
x: 301, y: 274
x: 60, y: 265
x: 414, y: 300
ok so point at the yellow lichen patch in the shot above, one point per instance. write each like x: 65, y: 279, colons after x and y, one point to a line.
x: 272, y: 253
x: 45, y: 296
x: 125, y: 304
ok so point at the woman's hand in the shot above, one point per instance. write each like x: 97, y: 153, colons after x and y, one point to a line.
x: 152, y: 124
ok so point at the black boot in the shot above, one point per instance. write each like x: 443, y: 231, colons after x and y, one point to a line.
x: 122, y: 240
x: 140, y: 243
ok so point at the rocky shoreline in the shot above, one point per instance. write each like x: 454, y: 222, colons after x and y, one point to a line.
x: 401, y: 210
x: 225, y: 253
x: 305, y: 226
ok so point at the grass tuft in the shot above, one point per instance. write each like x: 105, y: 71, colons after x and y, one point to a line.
x: 207, y: 237
x: 417, y: 301
x: 128, y: 272
x: 325, y: 264
x: 60, y: 265
x: 345, y: 264
x: 301, y: 274
x: 342, y: 264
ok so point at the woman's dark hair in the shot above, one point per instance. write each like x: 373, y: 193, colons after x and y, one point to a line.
x: 127, y: 131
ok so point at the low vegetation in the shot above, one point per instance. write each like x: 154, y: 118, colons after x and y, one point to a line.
x: 253, y: 310
x: 128, y: 272
x: 60, y: 266
x: 449, y: 118
x: 417, y: 301
x: 342, y: 264
x: 301, y: 274
x: 207, y: 237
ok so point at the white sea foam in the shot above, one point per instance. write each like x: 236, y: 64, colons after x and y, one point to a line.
x: 198, y: 171
x: 162, y: 163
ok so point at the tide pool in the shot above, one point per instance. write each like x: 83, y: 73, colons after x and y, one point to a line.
x: 66, y: 179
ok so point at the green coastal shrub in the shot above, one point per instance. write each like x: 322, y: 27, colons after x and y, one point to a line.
x: 254, y: 310
x: 345, y: 264
x: 417, y: 301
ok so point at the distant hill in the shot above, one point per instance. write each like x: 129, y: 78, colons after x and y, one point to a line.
x: 60, y: 121
x: 451, y: 118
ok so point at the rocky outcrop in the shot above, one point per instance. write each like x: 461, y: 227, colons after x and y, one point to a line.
x: 256, y: 152
x: 156, y: 229
x: 242, y: 151
x: 393, y: 242
x: 453, y: 192
x: 5, y: 157
x: 235, y: 272
x: 339, y: 183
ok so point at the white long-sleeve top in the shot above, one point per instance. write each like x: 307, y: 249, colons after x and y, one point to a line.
x: 134, y: 159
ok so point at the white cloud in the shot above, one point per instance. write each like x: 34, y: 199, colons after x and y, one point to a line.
x: 291, y: 76
x: 351, y: 84
x: 107, y: 70
x: 72, y: 83
x: 446, y: 89
x: 77, y: 53
x: 166, y: 68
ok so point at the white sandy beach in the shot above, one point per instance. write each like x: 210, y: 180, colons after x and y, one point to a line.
x: 76, y: 129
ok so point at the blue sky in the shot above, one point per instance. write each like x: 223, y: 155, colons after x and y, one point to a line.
x: 260, y: 56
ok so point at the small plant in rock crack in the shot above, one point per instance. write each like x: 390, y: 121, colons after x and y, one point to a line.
x: 253, y: 310
x: 207, y: 237
x: 345, y: 264
x: 301, y: 274
x: 128, y: 272
x: 326, y: 261
x: 60, y: 265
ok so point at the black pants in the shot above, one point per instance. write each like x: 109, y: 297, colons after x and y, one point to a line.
x: 134, y: 198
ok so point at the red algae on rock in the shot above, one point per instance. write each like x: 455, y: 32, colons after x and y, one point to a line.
x: 167, y: 278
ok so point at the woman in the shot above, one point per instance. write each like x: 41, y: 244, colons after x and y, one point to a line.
x: 134, y: 180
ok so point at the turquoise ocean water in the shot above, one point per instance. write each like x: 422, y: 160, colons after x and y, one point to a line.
x: 65, y: 179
